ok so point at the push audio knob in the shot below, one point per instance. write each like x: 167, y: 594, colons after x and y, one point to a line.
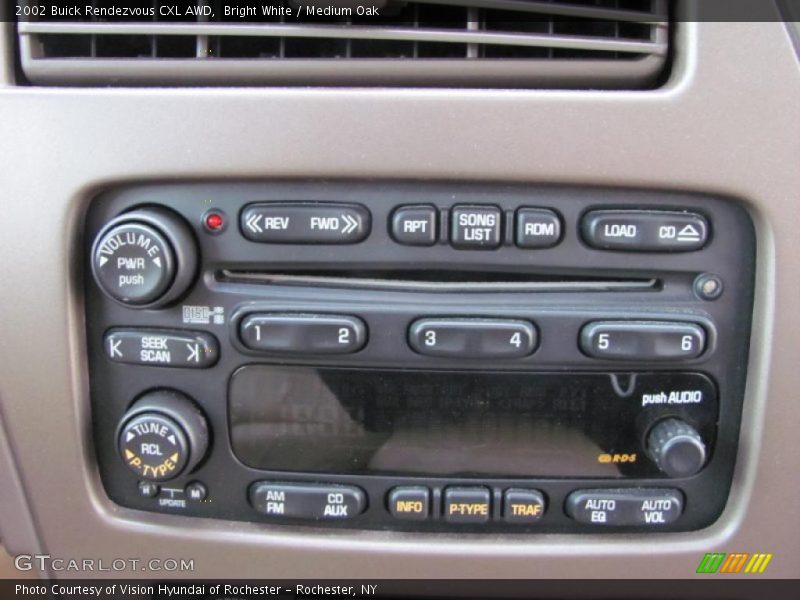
x: 145, y: 258
x: 162, y: 435
x: 676, y: 448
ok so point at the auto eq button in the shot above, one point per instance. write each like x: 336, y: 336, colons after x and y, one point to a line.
x: 631, y: 507
x: 311, y: 501
x: 642, y: 340
x: 473, y: 338
x: 305, y: 223
x: 303, y: 333
x: 161, y: 348
x: 644, y: 230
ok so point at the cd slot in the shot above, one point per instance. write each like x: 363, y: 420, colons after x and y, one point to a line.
x: 439, y: 281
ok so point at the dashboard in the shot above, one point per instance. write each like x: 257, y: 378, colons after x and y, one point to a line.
x: 408, y: 324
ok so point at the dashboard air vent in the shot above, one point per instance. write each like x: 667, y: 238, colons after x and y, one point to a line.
x: 478, y: 43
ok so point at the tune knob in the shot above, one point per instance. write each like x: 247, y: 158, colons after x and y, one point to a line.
x: 162, y: 435
x: 676, y: 447
x: 144, y: 258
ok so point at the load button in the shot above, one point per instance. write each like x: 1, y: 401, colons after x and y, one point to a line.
x: 305, y: 223
x: 645, y: 230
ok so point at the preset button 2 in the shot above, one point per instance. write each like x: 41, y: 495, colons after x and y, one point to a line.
x: 305, y: 223
x: 473, y: 338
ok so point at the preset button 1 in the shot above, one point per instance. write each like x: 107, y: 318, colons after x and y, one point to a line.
x: 303, y: 333
x: 473, y: 338
x: 305, y: 223
x: 307, y: 500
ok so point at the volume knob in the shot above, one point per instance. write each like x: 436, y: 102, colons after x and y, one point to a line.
x: 162, y: 435
x: 676, y: 448
x: 144, y: 258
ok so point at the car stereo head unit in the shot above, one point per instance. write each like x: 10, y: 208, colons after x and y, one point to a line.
x: 423, y: 357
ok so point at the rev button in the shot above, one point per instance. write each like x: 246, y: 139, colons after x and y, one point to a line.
x: 162, y: 347
x: 305, y: 223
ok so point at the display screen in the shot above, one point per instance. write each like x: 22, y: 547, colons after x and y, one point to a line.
x: 456, y: 423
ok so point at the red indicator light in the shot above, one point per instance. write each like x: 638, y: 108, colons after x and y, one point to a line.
x: 214, y: 222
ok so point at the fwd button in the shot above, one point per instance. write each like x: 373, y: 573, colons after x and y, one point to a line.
x: 305, y: 223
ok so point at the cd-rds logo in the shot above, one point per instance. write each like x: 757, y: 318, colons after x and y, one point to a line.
x: 738, y: 562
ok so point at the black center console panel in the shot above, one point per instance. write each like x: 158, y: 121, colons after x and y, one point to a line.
x: 419, y: 356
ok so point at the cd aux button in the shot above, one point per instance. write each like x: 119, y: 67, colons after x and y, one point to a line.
x: 411, y: 503
x: 625, y: 507
x: 303, y: 333
x: 313, y: 501
x: 473, y: 338
x: 642, y: 340
x: 467, y: 504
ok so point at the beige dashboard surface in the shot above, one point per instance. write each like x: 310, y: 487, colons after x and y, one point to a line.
x: 727, y: 122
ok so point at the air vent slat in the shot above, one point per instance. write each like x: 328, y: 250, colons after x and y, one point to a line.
x: 484, y: 43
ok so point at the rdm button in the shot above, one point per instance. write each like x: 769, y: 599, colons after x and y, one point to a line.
x: 305, y: 223
x: 307, y: 500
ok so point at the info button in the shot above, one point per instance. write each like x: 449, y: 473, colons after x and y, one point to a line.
x: 305, y: 223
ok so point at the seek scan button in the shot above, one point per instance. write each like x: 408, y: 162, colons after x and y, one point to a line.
x: 467, y: 504
x: 522, y: 506
x: 410, y: 503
